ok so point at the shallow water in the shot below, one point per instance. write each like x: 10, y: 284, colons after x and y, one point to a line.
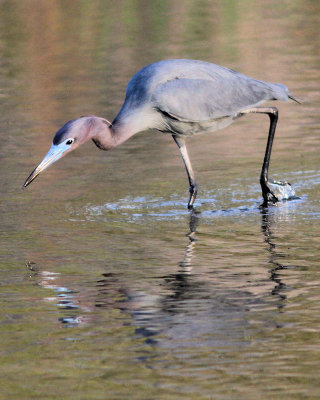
x: 110, y: 287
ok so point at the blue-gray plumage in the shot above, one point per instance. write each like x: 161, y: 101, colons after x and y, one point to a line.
x: 182, y: 98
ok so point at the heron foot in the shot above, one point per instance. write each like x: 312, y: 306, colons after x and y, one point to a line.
x: 193, y: 190
x: 274, y: 191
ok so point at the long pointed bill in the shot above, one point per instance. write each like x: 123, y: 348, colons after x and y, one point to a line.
x: 55, y: 152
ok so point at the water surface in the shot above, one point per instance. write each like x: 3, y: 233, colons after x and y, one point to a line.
x: 110, y: 287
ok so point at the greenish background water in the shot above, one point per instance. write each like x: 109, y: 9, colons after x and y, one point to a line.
x: 110, y: 288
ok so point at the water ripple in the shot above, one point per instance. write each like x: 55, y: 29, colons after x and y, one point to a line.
x: 239, y: 200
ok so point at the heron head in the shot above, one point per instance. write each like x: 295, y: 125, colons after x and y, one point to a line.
x: 70, y: 136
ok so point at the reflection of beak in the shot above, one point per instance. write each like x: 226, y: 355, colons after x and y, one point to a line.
x: 55, y: 152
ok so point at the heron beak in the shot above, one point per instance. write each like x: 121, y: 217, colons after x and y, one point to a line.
x: 55, y: 152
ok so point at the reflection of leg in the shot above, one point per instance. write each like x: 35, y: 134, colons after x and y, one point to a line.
x: 272, y: 191
x: 193, y: 224
x: 192, y: 182
x: 280, y: 287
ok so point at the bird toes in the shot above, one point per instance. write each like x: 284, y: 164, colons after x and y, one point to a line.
x: 277, y: 191
x: 193, y: 190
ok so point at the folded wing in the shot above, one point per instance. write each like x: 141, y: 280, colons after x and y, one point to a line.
x: 202, y: 100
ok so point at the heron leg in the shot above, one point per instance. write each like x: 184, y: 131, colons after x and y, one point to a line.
x: 193, y: 186
x: 272, y: 191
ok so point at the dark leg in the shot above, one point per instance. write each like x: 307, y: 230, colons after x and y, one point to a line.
x: 272, y: 191
x: 192, y: 182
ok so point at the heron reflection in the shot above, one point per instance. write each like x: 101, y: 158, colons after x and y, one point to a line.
x: 190, y: 301
x: 279, y: 290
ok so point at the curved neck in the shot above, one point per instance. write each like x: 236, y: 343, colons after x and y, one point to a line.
x: 110, y: 136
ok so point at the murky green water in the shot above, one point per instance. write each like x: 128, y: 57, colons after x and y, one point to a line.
x: 110, y: 288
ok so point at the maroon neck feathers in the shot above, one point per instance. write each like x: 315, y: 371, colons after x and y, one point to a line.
x: 106, y: 136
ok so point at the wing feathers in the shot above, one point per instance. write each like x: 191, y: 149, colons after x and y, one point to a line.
x: 203, y: 100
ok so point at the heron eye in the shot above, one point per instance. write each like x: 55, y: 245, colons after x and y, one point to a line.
x: 69, y: 141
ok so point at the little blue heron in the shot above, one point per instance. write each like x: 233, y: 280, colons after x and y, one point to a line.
x: 182, y: 98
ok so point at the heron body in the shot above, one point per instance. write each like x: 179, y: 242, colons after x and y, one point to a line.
x: 181, y: 98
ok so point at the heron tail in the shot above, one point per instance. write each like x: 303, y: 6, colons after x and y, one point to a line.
x: 281, y: 92
x: 296, y: 99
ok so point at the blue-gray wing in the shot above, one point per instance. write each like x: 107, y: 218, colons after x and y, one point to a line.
x: 203, y: 100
